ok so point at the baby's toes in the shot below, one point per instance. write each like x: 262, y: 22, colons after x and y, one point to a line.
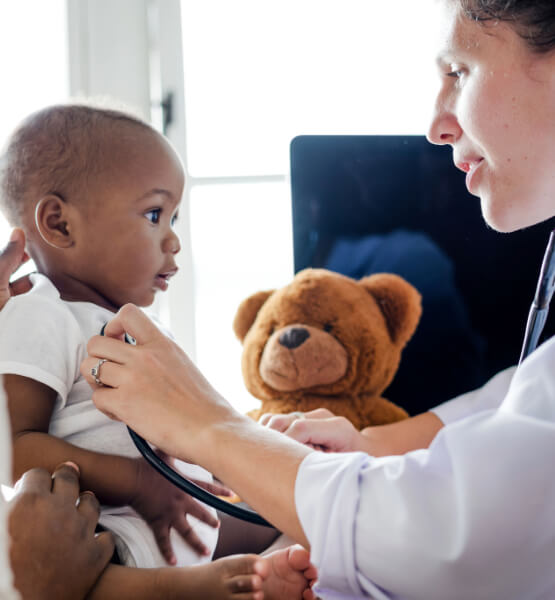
x: 245, y: 587
x: 243, y: 564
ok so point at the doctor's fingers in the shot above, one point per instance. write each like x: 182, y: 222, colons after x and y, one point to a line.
x: 111, y: 349
x: 283, y: 422
x: 132, y: 320
x: 334, y: 433
x: 104, y: 372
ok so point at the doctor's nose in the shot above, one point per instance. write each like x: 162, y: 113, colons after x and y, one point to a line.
x: 444, y: 127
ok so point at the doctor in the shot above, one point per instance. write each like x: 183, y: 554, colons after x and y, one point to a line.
x: 467, y: 507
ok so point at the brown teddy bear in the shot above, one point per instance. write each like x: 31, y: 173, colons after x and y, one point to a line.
x: 326, y: 340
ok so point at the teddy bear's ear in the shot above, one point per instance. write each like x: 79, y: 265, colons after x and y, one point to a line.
x: 399, y: 301
x: 247, y: 311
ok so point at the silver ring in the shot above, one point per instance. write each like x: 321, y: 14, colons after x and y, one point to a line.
x: 95, y: 371
x: 298, y: 414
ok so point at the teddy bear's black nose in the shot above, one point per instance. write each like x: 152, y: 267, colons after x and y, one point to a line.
x: 294, y: 337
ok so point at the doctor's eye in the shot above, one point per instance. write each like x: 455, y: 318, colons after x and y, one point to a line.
x: 153, y: 215
x: 455, y: 71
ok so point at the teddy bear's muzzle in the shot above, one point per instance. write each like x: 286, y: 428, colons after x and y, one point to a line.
x: 300, y: 356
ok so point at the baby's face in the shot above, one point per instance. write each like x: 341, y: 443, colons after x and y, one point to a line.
x: 127, y: 243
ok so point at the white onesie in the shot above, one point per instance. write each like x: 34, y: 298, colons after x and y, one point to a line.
x: 45, y: 338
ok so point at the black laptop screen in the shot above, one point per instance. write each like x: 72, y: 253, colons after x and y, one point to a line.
x: 367, y: 204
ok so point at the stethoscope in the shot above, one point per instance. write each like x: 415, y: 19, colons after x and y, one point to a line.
x: 185, y: 484
x: 540, y: 306
x: 534, y: 326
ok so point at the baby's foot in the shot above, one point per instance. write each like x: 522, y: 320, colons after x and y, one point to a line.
x: 289, y: 574
x: 234, y: 577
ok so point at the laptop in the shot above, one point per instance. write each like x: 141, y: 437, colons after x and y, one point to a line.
x: 368, y: 204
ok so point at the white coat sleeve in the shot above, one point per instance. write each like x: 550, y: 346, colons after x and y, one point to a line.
x: 473, y: 516
x: 487, y: 397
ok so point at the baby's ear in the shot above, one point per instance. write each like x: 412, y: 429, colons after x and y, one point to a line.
x: 52, y: 220
x: 399, y: 302
x: 247, y: 311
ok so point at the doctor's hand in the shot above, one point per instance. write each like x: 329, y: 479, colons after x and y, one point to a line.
x: 163, y: 506
x: 11, y: 258
x: 322, y: 430
x: 319, y: 429
x: 54, y: 550
x: 154, y: 387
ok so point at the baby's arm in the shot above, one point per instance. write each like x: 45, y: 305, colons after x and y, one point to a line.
x: 115, y: 480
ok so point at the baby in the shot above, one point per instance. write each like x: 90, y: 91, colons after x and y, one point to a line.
x: 97, y: 193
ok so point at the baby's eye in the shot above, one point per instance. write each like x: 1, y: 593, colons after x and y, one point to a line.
x: 153, y: 215
x: 174, y: 219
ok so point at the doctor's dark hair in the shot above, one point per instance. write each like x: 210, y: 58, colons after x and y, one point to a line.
x: 533, y: 20
x: 59, y: 150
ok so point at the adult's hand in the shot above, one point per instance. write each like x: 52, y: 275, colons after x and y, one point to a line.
x: 153, y: 386
x: 54, y: 550
x: 322, y: 430
x: 158, y: 392
x: 11, y: 258
x: 319, y: 429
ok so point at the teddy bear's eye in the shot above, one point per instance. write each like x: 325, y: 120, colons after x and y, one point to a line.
x: 328, y: 327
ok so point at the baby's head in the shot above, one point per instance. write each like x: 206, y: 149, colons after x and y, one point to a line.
x: 96, y: 192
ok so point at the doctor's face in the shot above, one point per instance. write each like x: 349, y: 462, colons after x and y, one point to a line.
x: 496, y: 109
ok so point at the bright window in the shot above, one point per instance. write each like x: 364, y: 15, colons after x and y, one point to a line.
x: 35, y: 72
x: 258, y: 73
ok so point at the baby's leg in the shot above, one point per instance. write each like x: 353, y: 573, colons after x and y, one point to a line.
x: 240, y: 537
x: 234, y: 578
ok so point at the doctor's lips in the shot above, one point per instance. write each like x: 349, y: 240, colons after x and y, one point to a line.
x: 469, y: 166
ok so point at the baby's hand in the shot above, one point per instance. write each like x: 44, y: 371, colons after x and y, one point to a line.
x: 163, y: 506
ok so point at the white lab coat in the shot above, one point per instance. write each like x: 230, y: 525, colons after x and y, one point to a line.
x: 472, y: 517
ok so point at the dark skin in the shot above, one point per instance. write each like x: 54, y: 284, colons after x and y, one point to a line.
x: 61, y: 544
x: 116, y: 480
x: 134, y: 207
x: 68, y: 243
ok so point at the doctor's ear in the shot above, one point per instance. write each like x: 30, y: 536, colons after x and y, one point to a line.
x: 53, y: 221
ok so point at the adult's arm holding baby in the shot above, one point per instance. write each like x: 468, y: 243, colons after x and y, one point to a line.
x: 157, y: 390
x: 116, y: 480
x: 54, y: 551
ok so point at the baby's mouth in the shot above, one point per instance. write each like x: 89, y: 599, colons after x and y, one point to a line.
x: 162, y: 279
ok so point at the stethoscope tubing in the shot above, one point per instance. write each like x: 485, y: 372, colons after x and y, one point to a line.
x: 534, y: 327
x: 191, y: 488
x: 187, y: 485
